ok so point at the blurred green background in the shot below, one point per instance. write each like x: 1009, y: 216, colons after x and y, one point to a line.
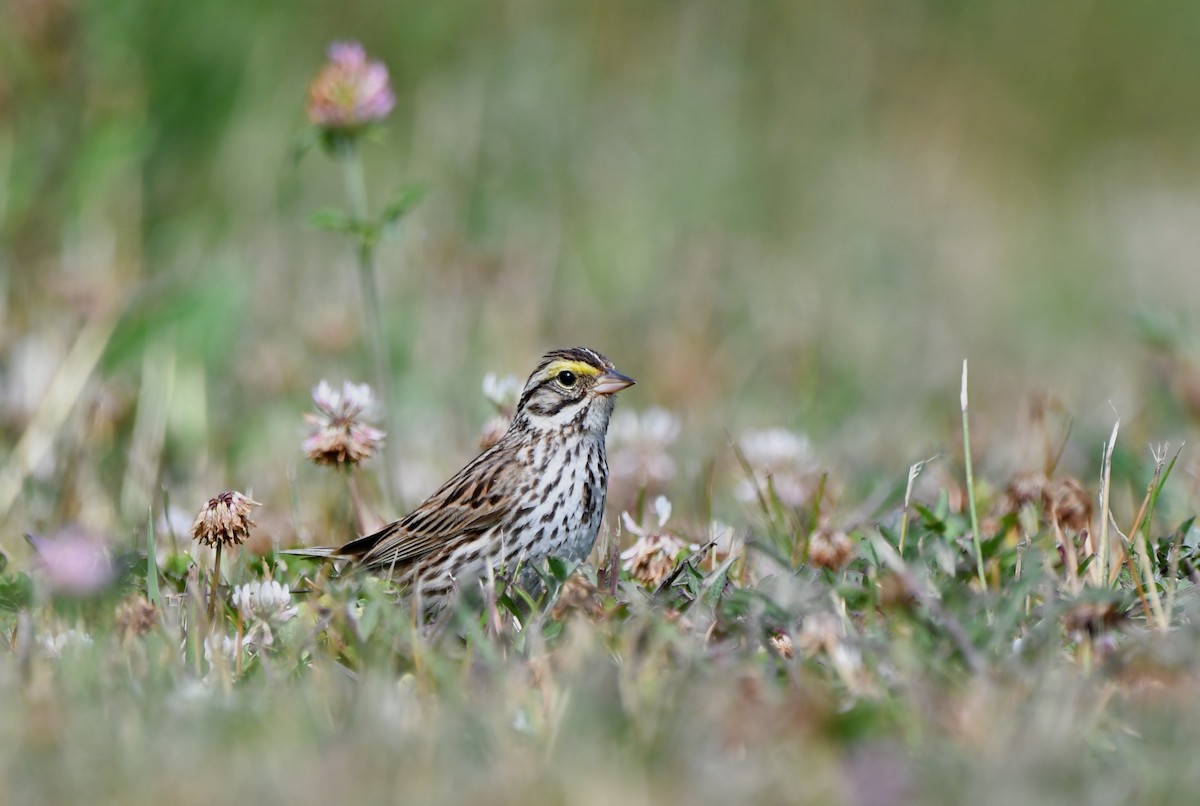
x: 767, y: 212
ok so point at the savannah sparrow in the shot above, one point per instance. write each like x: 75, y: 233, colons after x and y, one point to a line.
x: 539, y: 491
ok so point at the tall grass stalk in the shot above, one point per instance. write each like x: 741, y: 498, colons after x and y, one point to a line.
x: 1102, y: 558
x: 913, y: 472
x: 1141, y: 532
x: 65, y: 390
x: 966, y: 432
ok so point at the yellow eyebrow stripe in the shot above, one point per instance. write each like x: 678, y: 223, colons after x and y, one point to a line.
x: 578, y: 367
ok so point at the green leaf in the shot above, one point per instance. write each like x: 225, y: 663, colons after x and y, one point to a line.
x: 332, y: 219
x: 930, y: 519
x: 862, y: 720
x: 1162, y: 482
x: 559, y: 568
x: 993, y: 545
x: 551, y: 630
x: 716, y: 583
x: 521, y: 609
x: 1183, y: 529
x: 372, y: 612
x: 401, y: 203
x: 176, y: 566
x: 16, y: 592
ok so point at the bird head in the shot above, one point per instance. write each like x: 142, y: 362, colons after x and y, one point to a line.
x: 571, y: 388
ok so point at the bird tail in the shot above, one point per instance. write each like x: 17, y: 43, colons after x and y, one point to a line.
x: 319, y: 552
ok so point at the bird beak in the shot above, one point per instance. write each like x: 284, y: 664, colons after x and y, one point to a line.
x: 610, y: 382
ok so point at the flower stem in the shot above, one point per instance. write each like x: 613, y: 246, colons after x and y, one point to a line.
x: 216, y: 583
x: 241, y: 634
x: 356, y: 190
x: 361, y: 518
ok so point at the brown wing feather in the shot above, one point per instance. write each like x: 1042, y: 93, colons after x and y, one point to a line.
x: 473, y: 501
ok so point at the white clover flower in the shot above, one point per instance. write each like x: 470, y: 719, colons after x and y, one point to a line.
x: 354, y: 399
x: 659, y: 425
x: 639, y: 445
x: 221, y: 655
x: 54, y: 644
x: 502, y: 391
x: 265, y: 600
x: 661, y: 512
x: 783, y: 459
x: 340, y: 435
x: 652, y: 558
x: 220, y: 646
x: 653, y: 555
x: 662, y: 509
x: 776, y: 448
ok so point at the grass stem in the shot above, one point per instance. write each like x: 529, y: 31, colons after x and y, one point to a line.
x: 913, y: 472
x: 1105, y: 491
x: 966, y: 432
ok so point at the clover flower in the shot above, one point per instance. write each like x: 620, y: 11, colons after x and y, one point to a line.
x: 136, y: 617
x: 829, y: 548
x: 264, y: 605
x: 340, y: 437
x: 266, y: 600
x: 824, y: 634
x: 224, y: 520
x: 220, y: 647
x: 503, y: 392
x: 784, y: 460
x: 55, y: 644
x: 640, y: 443
x: 350, y: 91
x: 1069, y: 504
x: 652, y: 558
x: 781, y: 642
x: 75, y: 562
x: 578, y: 596
x: 1064, y: 501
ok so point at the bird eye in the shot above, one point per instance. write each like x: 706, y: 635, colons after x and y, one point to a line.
x: 566, y: 378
